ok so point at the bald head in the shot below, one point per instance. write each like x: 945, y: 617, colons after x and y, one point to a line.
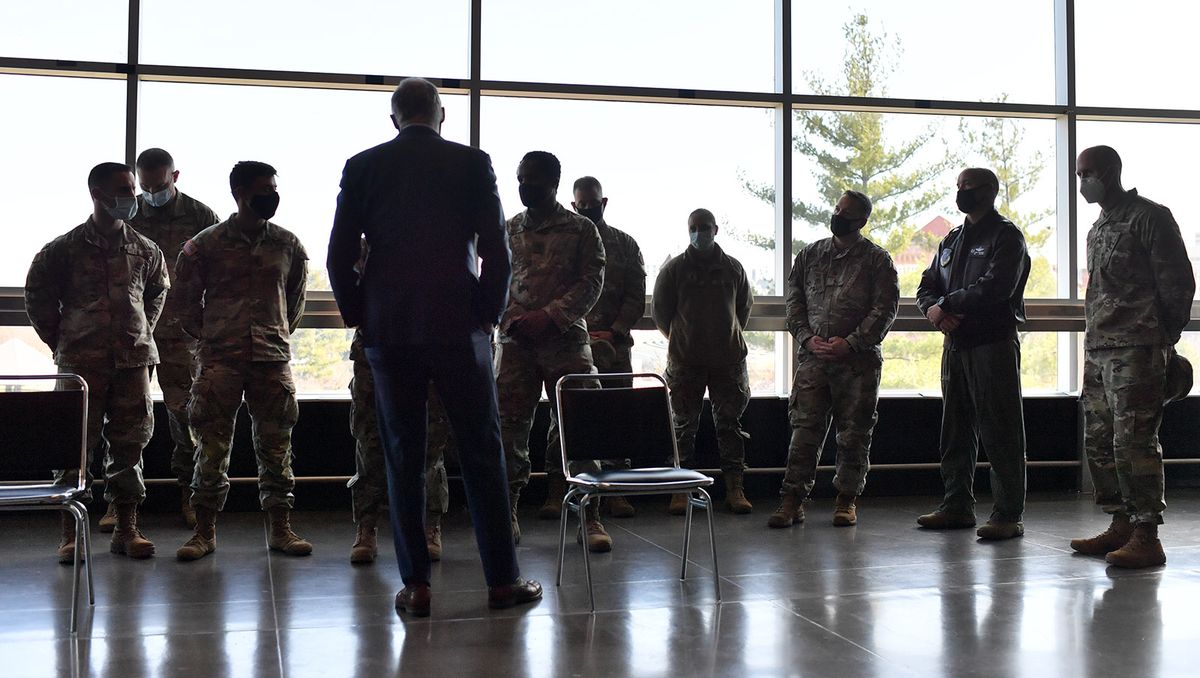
x: 416, y: 101
x: 975, y: 177
x: 1101, y: 158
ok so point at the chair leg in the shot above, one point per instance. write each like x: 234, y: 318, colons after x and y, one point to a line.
x: 562, y: 533
x: 712, y: 541
x: 687, y: 538
x: 80, y: 528
x: 587, y: 564
x: 87, y: 553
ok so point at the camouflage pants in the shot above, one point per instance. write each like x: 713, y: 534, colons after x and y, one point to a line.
x: 521, y: 373
x: 368, y: 487
x: 270, y: 396
x: 176, y: 372
x: 615, y: 362
x: 119, y: 424
x: 846, y: 391
x: 729, y: 390
x: 1122, y: 400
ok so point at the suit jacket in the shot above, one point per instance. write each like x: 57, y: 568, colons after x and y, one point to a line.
x: 429, y: 211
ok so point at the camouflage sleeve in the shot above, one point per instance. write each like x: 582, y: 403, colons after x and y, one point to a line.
x: 1174, y: 280
x: 43, y: 291
x: 157, y: 284
x: 1005, y: 270
x: 662, y: 304
x: 189, y: 288
x: 885, y: 304
x: 582, y: 293
x: 930, y: 291
x: 796, y: 304
x: 296, y: 282
x: 745, y: 299
x: 633, y: 306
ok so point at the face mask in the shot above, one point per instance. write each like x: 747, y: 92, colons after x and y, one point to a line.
x: 122, y: 208
x: 158, y: 198
x: 594, y: 213
x: 533, y: 195
x: 703, y: 240
x: 265, y: 205
x: 841, y: 225
x: 1092, y: 189
x: 967, y: 200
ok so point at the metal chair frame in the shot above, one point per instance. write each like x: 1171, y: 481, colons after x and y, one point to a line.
x: 41, y: 498
x: 581, y: 492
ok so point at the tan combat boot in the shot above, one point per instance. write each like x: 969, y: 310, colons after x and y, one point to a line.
x: 845, y: 513
x: 678, y: 505
x: 127, y: 539
x: 598, y: 540
x: 1142, y: 550
x: 790, y: 511
x: 108, y: 521
x: 619, y: 507
x: 366, y: 547
x: 735, y: 494
x: 204, y: 541
x: 282, y: 538
x: 1118, y: 533
x: 185, y: 506
x: 556, y: 489
x: 66, y: 543
x: 433, y: 536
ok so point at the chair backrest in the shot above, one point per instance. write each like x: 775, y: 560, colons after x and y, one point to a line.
x: 42, y: 430
x: 621, y: 422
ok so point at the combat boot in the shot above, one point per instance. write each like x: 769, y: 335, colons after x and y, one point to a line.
x: 127, y: 539
x: 108, y: 521
x: 678, y: 505
x: 366, y: 547
x: 619, y: 507
x: 556, y: 489
x: 790, y: 511
x: 598, y: 540
x: 282, y: 538
x: 204, y: 540
x: 185, y: 506
x: 845, y: 513
x: 735, y: 494
x: 1118, y: 533
x: 433, y: 536
x: 66, y: 543
x: 1142, y: 550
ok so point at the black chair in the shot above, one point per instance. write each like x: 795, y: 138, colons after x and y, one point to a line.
x: 42, y: 431
x: 624, y: 422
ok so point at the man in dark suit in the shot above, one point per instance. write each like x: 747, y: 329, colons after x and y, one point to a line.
x: 429, y: 211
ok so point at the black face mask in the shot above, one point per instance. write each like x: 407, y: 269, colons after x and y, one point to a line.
x: 533, y: 195
x: 595, y: 214
x: 265, y: 205
x: 841, y: 225
x: 966, y: 200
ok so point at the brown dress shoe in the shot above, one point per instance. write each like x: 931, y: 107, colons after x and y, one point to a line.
x: 997, y: 530
x: 941, y: 520
x: 1142, y: 550
x: 416, y: 600
x: 1118, y: 533
x: 519, y: 592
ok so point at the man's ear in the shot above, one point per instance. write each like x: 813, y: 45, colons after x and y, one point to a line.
x: 395, y: 122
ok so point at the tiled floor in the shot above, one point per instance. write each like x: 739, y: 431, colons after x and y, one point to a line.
x: 880, y: 599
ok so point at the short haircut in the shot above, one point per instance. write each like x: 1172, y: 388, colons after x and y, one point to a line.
x: 544, y: 161
x: 584, y: 183
x: 864, y: 203
x: 1106, y: 155
x: 155, y: 158
x: 416, y: 99
x: 101, y: 173
x: 988, y: 175
x: 245, y: 172
x: 701, y: 212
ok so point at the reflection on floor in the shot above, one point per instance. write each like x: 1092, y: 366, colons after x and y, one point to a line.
x: 881, y: 599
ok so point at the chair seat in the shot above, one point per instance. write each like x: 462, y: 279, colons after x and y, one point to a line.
x: 646, y: 479
x: 16, y: 495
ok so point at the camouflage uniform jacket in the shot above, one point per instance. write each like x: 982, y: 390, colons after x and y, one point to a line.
x: 1140, y: 282
x: 169, y: 227
x: 623, y: 300
x: 242, y: 296
x: 95, y: 301
x: 558, y: 266
x: 702, y: 304
x: 851, y: 293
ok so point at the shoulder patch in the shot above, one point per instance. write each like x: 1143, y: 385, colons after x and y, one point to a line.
x: 189, y: 247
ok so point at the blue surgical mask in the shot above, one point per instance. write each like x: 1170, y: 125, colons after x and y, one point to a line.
x: 158, y: 198
x: 703, y: 240
x: 122, y: 208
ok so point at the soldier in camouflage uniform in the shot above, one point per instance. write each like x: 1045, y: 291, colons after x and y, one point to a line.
x: 610, y: 324
x: 94, y: 295
x: 843, y: 296
x: 169, y: 217
x: 368, y: 487
x: 702, y: 301
x: 1139, y: 298
x: 558, y: 274
x: 241, y: 290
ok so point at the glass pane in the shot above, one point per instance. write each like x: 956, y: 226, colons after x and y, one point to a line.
x: 22, y: 352
x: 650, y: 355
x: 665, y: 43
x: 1136, y: 55
x: 892, y: 50
x: 1189, y: 347
x: 321, y: 361
x: 79, y: 30
x: 208, y: 128
x: 402, y: 37
x: 912, y: 362
x: 1151, y: 165
x: 48, y: 150
x: 910, y: 164
x: 656, y: 162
